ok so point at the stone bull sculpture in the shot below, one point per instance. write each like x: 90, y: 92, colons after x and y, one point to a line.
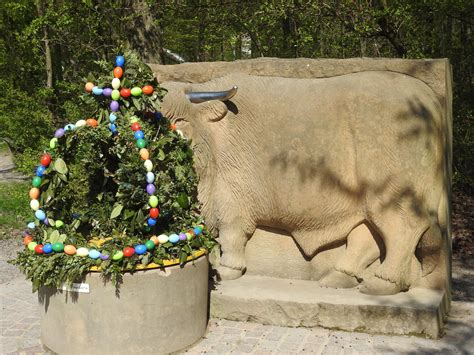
x: 320, y: 158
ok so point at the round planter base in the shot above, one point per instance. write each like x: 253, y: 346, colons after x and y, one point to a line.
x: 154, y: 311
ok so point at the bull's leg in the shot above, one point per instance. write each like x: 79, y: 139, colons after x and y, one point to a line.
x: 361, y: 251
x: 401, y: 230
x: 233, y: 237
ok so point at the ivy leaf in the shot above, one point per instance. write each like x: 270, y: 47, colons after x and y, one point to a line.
x: 116, y: 211
x: 183, y: 257
x: 54, y: 237
x: 62, y: 238
x: 183, y: 200
x: 161, y: 155
x: 60, y: 166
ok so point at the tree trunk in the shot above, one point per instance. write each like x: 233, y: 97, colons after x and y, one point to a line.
x: 47, y: 48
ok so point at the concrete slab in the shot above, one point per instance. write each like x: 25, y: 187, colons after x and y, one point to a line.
x: 303, y: 303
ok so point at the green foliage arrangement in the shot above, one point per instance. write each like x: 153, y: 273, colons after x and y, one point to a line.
x: 96, y: 182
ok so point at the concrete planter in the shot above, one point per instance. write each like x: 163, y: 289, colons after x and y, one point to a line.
x: 156, y: 311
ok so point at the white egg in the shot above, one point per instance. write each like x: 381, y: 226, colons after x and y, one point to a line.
x: 163, y: 238
x: 80, y: 123
x: 82, y: 251
x: 116, y: 83
x: 34, y: 204
x: 148, y: 165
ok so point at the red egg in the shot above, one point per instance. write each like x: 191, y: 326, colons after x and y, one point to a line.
x: 128, y: 252
x: 147, y: 89
x: 46, y: 160
x: 154, y: 212
x: 39, y: 249
x: 135, y: 126
x: 173, y: 127
x: 118, y: 72
x: 125, y: 92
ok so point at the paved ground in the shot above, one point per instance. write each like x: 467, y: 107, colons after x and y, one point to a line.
x: 20, y: 327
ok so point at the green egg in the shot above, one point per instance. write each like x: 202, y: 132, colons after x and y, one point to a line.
x: 53, y: 143
x: 153, y: 201
x: 36, y: 181
x: 136, y: 91
x: 58, y: 247
x: 117, y: 256
x: 32, y: 245
x: 115, y: 94
x: 141, y: 143
x: 150, y: 245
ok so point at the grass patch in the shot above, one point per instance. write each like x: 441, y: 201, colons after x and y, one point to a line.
x: 14, y: 207
x: 3, y: 148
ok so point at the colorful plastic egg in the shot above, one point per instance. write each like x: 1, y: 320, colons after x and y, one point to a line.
x: 150, y: 189
x: 140, y: 249
x: 40, y: 170
x: 141, y: 143
x: 154, y: 212
x: 135, y: 126
x: 104, y: 256
x: 174, y: 238
x: 144, y: 154
x: 36, y: 181
x: 82, y: 251
x: 39, y: 249
x: 116, y: 83
x: 182, y: 236
x: 114, y: 106
x: 136, y: 91
x: 163, y: 238
x: 97, y: 90
x: 173, y: 127
x: 128, y: 252
x: 115, y: 95
x: 46, y: 160
x: 107, y: 92
x: 113, y: 128
x: 119, y: 60
x: 59, y: 224
x: 158, y: 115
x: 71, y: 250
x: 117, y: 255
x: 112, y: 118
x: 32, y: 246
x: 153, y: 201
x: 151, y: 222
x: 147, y: 89
x: 59, y: 133
x: 92, y: 122
x: 40, y: 215
x: 47, y: 248
x: 150, y: 244
x: 31, y: 225
x: 118, y: 72
x: 27, y: 239
x: 58, y: 247
x: 69, y: 127
x: 139, y: 134
x: 89, y: 86
x: 189, y: 236
x: 80, y: 123
x: 94, y: 254
x: 197, y: 230
x: 34, y: 193
x: 53, y: 143
x: 46, y: 221
x: 134, y: 119
x: 155, y: 240
x: 150, y: 177
x: 125, y: 92
x: 34, y: 204
x: 148, y: 165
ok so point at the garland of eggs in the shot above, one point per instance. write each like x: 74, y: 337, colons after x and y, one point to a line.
x: 141, y: 144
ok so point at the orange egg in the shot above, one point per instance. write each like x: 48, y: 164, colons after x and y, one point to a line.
x: 92, y: 122
x: 155, y: 240
x: 173, y: 127
x: 144, y: 154
x: 118, y: 72
x: 27, y: 240
x: 34, y: 193
x: 147, y: 89
x: 70, y: 249
x: 89, y: 86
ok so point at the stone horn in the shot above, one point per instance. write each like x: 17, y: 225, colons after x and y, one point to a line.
x: 197, y: 97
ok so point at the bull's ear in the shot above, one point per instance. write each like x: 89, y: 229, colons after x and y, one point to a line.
x: 213, y: 110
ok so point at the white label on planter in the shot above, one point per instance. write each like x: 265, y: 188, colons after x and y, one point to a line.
x: 81, y: 288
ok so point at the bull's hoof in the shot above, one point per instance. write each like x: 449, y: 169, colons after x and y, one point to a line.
x: 377, y: 286
x: 226, y: 273
x: 338, y: 279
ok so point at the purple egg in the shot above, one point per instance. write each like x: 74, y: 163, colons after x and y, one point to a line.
x: 182, y: 236
x: 46, y: 221
x: 59, y: 133
x: 107, y: 92
x: 150, y: 189
x: 114, y: 106
x: 104, y: 256
x: 26, y: 232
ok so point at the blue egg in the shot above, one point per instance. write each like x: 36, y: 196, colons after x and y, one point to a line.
x: 94, y: 254
x: 112, y: 117
x: 47, y: 248
x: 40, y: 215
x: 140, y: 249
x: 151, y: 221
x: 113, y: 128
x: 31, y: 225
x: 150, y: 177
x: 197, y: 230
x: 40, y: 170
x: 139, y: 135
x: 97, y: 90
x: 119, y: 60
x: 158, y: 115
x: 173, y: 238
x: 69, y: 127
